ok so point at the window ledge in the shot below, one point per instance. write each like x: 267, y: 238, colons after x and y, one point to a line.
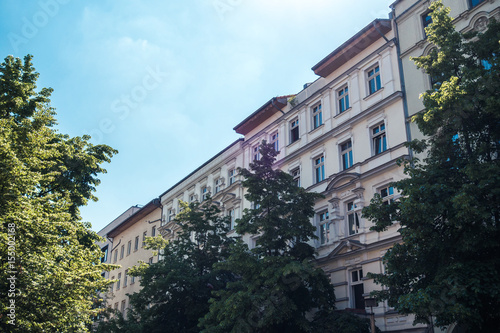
x: 344, y: 112
x: 371, y: 95
x: 290, y: 144
x: 382, y: 153
x: 317, y: 128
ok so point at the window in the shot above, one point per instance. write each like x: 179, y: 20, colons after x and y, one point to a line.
x: 129, y: 247
x: 426, y: 20
x: 192, y: 198
x: 256, y: 153
x: 122, y: 251
x: 274, y: 141
x: 171, y: 215
x: 324, y: 227
x: 144, y: 234
x: 132, y: 279
x: 352, y: 219
x: 357, y: 289
x: 151, y: 260
x: 231, y: 215
x: 346, y: 153
x: 474, y: 3
x: 296, y: 176
x: 204, y: 193
x: 319, y: 169
x: 125, y: 278
x: 123, y: 306
x: 317, y: 115
x: 116, y: 306
x: 116, y: 256
x: 232, y: 176
x: 104, y: 250
x: 379, y: 139
x: 294, y: 130
x: 119, y: 281
x: 374, y: 83
x: 153, y: 231
x: 111, y: 287
x: 387, y: 194
x: 136, y: 244
x: 218, y: 185
x: 343, y: 99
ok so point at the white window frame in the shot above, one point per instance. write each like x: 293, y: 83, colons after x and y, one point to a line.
x: 317, y: 116
x: 218, y: 183
x: 144, y: 235
x: 232, y: 176
x: 296, y: 175
x: 346, y: 154
x: 352, y: 219
x: 472, y: 5
x: 170, y: 214
x: 129, y: 247
x: 125, y: 278
x: 136, y: 243
x: 378, y: 147
x: 373, y: 75
x: 294, y: 130
x: 356, y: 278
x: 256, y: 153
x: 319, y: 168
x: 231, y: 213
x: 387, y: 194
x: 426, y: 20
x: 324, y: 227
x: 274, y: 140
x: 343, y: 99
x: 205, y: 191
x: 118, y: 283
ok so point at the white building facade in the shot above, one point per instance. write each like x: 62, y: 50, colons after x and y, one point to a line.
x: 341, y: 136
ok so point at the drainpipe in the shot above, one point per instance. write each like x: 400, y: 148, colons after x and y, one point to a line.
x: 272, y: 103
x: 403, y: 85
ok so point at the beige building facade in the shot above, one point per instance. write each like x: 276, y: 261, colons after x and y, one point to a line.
x: 411, y: 17
x: 127, y: 248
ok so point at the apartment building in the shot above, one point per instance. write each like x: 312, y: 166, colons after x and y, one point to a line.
x: 107, y: 245
x: 411, y: 17
x: 341, y: 136
x: 217, y: 178
x: 127, y: 248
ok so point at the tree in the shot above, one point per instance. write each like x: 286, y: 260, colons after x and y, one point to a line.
x: 278, y: 287
x: 176, y: 290
x: 50, y: 264
x: 448, y: 265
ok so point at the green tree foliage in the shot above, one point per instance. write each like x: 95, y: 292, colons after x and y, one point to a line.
x: 448, y: 265
x: 49, y: 255
x: 278, y: 287
x: 175, y: 291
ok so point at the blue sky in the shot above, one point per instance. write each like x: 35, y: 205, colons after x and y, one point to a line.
x: 165, y: 82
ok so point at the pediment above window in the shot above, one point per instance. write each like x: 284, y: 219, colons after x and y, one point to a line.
x: 342, y: 180
x: 346, y: 246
